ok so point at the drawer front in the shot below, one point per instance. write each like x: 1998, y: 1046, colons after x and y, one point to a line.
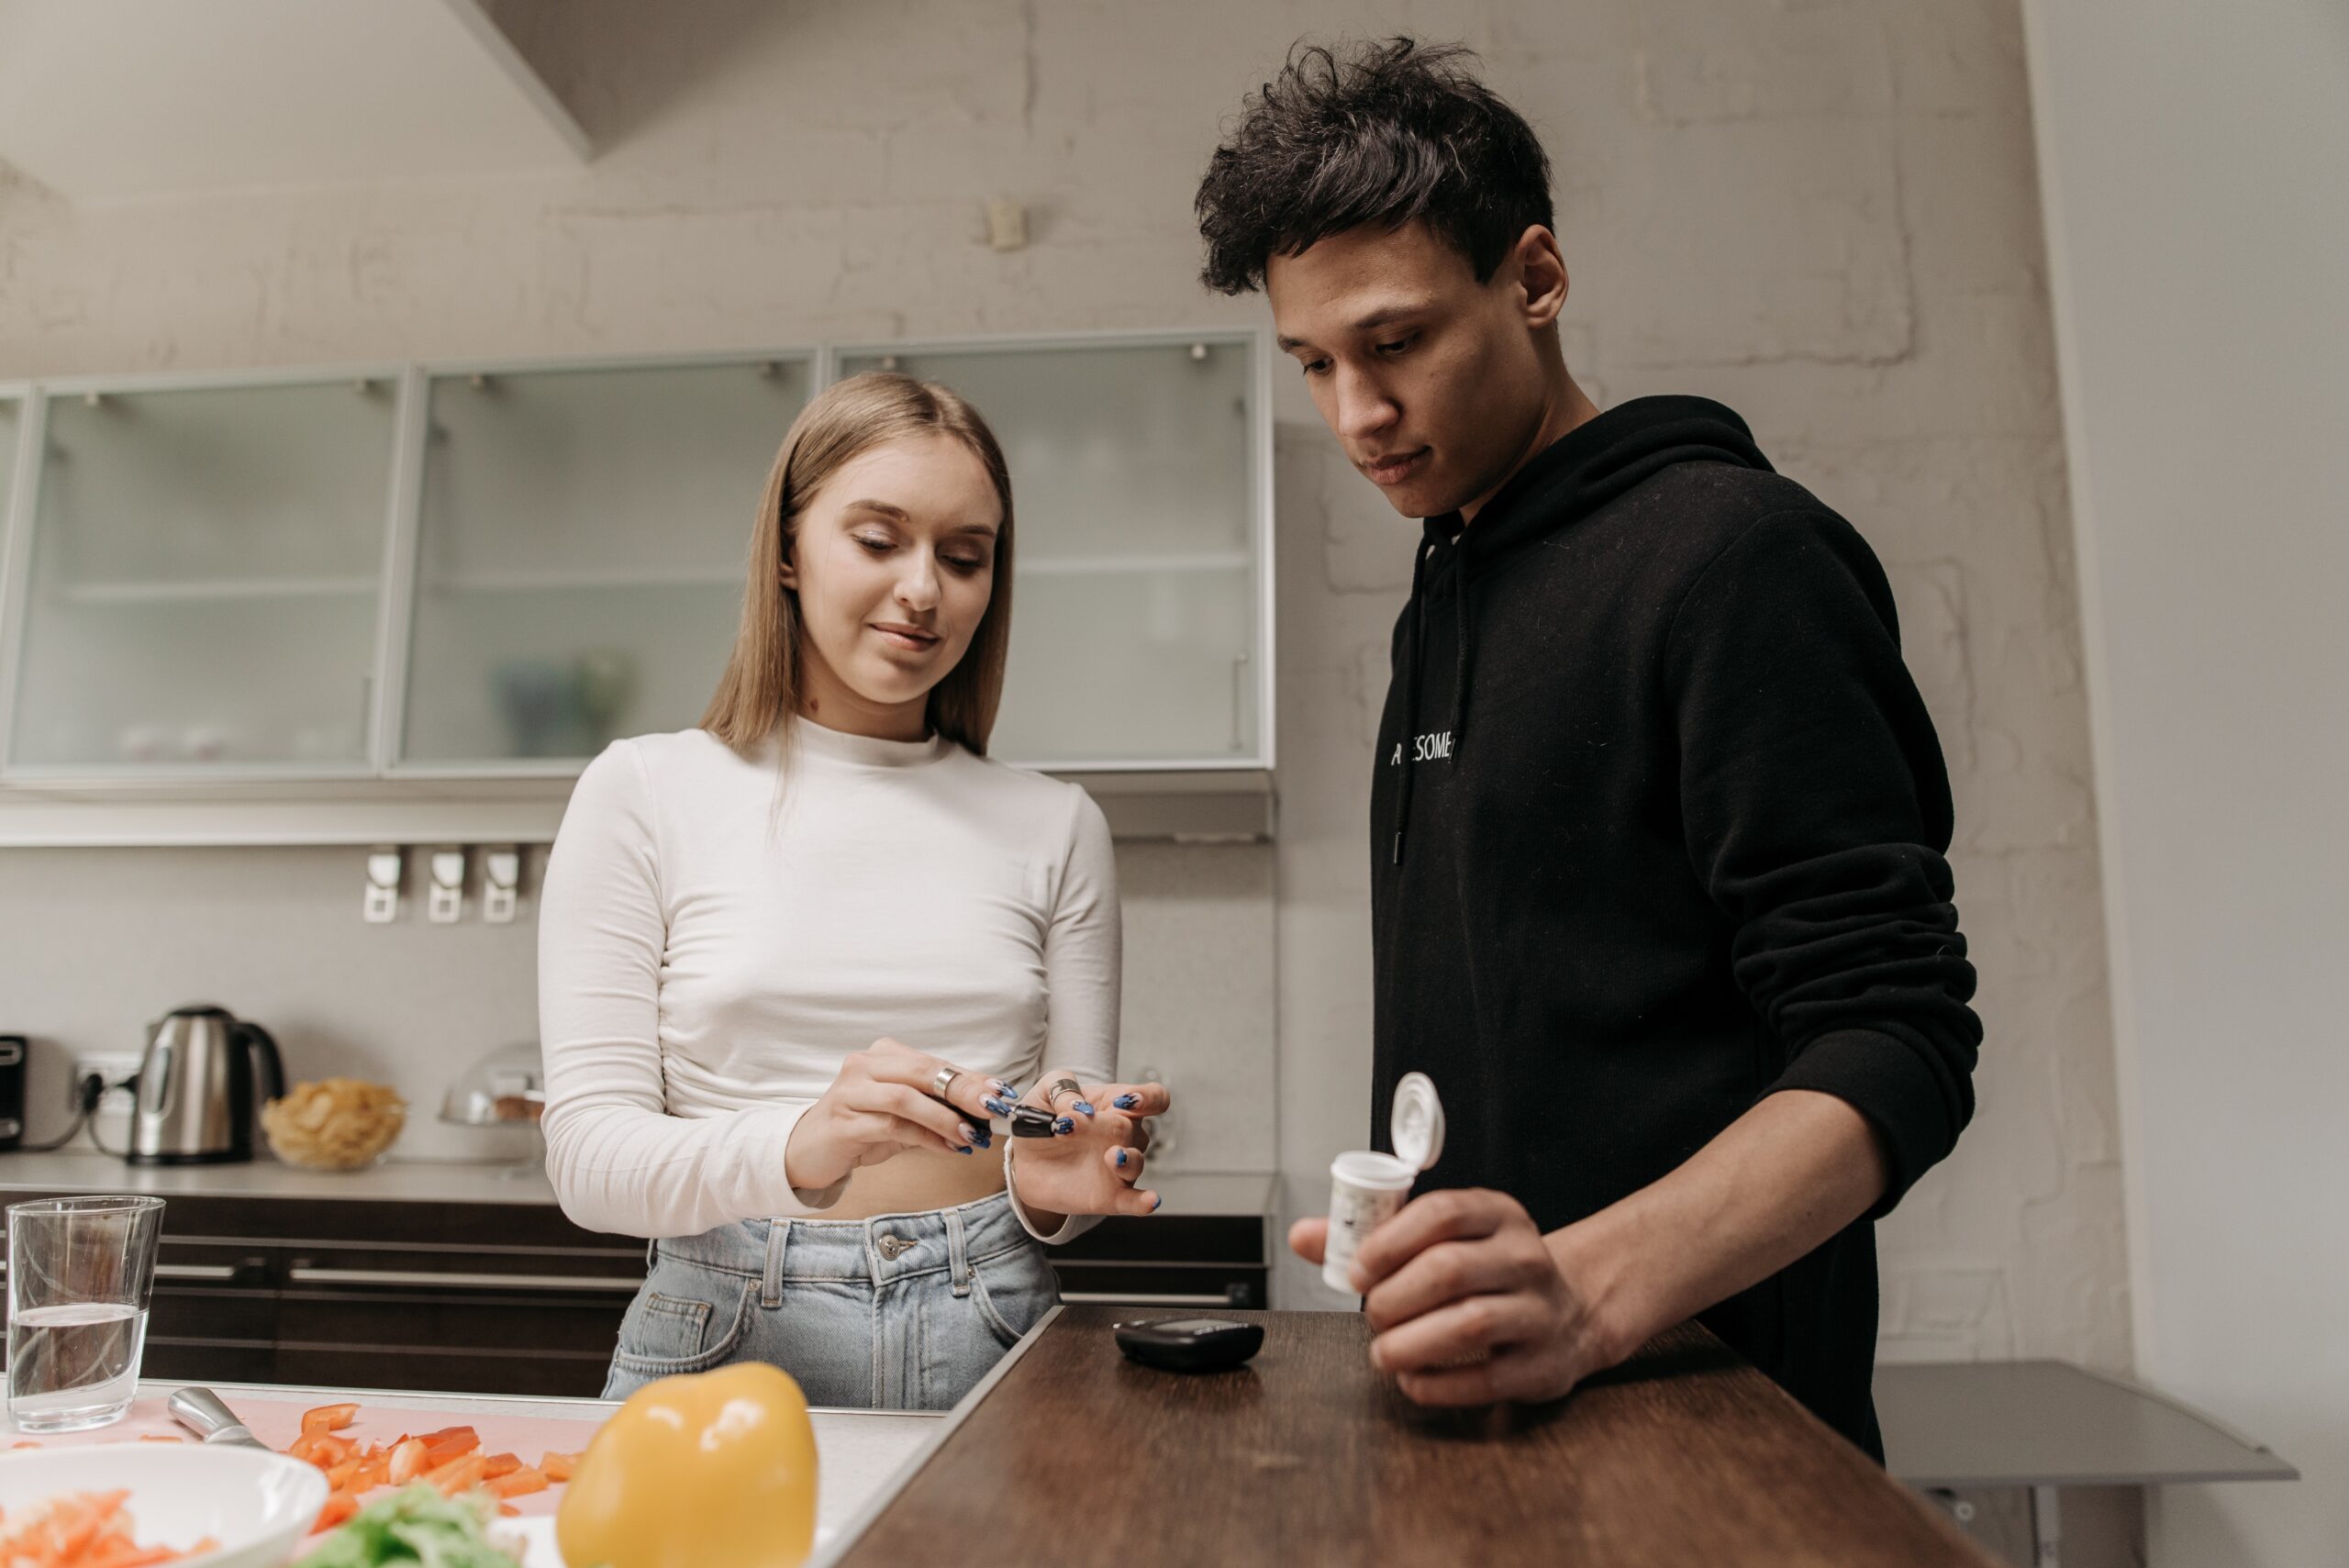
x: 489, y: 1323
x: 435, y: 1371
x: 203, y: 1361
x: 1159, y: 1284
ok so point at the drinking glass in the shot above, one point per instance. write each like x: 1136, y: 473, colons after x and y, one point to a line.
x: 81, y: 1273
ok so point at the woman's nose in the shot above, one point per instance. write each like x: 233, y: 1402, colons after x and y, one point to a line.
x: 917, y: 588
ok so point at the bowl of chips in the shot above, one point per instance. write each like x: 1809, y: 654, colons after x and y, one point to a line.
x: 334, y: 1124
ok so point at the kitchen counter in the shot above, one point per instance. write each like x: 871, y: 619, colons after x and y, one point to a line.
x: 1069, y: 1453
x: 1684, y: 1455
x: 860, y: 1453
x: 87, y: 1171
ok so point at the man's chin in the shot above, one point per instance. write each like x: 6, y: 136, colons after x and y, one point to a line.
x: 1417, y: 501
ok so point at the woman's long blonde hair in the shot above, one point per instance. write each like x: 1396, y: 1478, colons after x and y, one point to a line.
x: 761, y: 687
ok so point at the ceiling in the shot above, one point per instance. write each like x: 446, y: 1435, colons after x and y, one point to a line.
x: 103, y: 100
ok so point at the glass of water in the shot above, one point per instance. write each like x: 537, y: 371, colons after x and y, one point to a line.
x: 81, y: 1271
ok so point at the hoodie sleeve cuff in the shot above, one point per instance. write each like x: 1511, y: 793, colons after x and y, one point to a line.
x: 1891, y: 1082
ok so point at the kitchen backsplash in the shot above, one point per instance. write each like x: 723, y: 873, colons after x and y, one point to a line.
x: 96, y: 943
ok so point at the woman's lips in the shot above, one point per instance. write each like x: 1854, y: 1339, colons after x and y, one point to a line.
x: 1394, y: 471
x: 907, y: 637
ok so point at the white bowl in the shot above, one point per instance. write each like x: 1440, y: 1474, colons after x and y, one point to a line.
x: 256, y: 1504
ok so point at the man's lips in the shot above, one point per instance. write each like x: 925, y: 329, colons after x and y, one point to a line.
x: 1395, y: 468
x: 910, y: 638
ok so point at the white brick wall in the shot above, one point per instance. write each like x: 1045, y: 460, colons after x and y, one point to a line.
x: 1821, y: 211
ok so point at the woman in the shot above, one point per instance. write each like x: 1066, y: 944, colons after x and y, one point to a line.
x: 792, y: 963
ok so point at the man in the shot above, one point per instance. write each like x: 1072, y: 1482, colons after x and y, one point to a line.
x: 1659, y: 897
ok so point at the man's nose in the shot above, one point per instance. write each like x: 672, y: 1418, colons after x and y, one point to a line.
x: 1363, y: 409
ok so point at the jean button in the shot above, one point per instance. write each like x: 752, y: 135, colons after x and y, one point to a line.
x: 894, y: 1247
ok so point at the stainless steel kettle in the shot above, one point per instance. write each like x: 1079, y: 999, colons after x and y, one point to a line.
x: 192, y: 1101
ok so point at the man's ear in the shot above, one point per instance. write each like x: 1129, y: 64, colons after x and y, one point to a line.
x: 1541, y: 274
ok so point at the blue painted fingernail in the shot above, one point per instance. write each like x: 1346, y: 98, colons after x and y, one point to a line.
x: 1121, y: 1159
x: 1127, y: 1101
x: 970, y: 1134
x: 1086, y: 1108
x: 1003, y: 1088
x: 1065, y: 1126
x: 1000, y: 1108
x: 965, y: 1150
x: 1154, y: 1204
x: 985, y: 1139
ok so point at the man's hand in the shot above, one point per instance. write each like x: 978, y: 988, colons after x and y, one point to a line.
x: 1469, y: 1304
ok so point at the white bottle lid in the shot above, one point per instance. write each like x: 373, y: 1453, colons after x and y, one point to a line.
x: 1415, y: 1122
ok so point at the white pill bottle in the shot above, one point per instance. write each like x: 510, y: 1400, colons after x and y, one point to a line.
x: 1367, y: 1187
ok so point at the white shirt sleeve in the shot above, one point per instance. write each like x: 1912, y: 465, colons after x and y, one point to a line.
x: 1084, y: 969
x: 619, y: 1160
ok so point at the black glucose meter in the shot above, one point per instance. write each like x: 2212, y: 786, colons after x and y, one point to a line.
x: 1190, y: 1344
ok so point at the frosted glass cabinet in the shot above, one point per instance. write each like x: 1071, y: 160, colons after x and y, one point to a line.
x: 484, y: 571
x: 581, y: 553
x: 205, y: 579
x: 1136, y: 599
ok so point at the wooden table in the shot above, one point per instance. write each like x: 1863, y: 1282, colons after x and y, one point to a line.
x: 1685, y: 1456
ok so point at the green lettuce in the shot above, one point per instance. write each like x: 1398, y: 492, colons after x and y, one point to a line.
x: 415, y: 1524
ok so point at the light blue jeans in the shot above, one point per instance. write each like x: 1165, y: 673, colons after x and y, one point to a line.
x: 826, y: 1301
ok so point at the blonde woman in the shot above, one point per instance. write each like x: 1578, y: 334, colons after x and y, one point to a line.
x: 793, y: 963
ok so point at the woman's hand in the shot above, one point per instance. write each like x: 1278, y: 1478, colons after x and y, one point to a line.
x: 1090, y: 1167
x: 880, y: 1104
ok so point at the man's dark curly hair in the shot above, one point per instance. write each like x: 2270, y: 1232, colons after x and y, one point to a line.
x: 1379, y: 133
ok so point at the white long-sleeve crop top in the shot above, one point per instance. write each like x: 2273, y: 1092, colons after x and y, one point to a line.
x: 718, y: 932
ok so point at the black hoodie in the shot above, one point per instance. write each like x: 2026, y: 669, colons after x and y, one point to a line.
x: 1658, y: 829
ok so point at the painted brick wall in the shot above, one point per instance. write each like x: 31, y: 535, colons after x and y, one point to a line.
x: 1821, y: 211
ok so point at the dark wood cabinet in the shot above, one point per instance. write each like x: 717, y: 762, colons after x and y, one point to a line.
x: 512, y: 1298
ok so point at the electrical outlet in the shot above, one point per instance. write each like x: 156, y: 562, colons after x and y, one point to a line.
x: 116, y: 1070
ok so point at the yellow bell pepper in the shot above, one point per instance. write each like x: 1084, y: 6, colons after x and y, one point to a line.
x: 712, y: 1470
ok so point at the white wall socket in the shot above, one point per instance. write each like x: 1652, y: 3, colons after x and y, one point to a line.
x: 112, y: 1067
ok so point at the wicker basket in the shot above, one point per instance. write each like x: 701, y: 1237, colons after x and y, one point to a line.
x: 335, y: 1124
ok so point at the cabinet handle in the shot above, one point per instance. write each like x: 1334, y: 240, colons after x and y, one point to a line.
x: 1140, y: 1298
x: 1239, y: 696
x: 182, y: 1271
x: 301, y: 1274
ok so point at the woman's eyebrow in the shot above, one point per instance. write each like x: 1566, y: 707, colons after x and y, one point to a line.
x: 898, y: 514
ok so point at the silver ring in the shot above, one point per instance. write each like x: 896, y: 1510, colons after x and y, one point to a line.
x: 942, y: 1080
x: 1060, y: 1086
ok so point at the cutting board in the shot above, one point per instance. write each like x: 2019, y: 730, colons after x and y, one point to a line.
x: 278, y: 1422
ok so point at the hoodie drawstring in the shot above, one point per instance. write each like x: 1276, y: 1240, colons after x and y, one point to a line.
x: 1464, y: 622
x: 1412, y: 645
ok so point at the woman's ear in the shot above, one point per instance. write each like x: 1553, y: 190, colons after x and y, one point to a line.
x: 789, y: 574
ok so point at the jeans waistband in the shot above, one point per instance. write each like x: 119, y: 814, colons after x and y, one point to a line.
x: 874, y: 1250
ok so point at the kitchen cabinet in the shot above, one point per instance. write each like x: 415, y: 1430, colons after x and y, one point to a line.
x: 1139, y: 632
x: 438, y: 587
x: 204, y: 579
x: 579, y: 554
x: 510, y: 1298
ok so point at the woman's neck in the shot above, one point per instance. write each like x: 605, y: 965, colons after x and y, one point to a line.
x: 829, y: 701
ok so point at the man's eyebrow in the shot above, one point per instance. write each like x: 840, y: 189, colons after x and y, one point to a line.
x: 1384, y: 316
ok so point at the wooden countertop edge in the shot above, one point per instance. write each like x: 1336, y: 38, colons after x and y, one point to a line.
x: 854, y: 1529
